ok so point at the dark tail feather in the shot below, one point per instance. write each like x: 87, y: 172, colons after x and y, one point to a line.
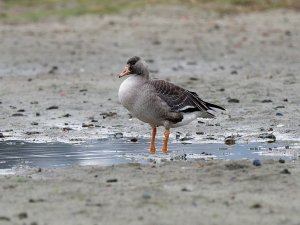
x: 210, y: 105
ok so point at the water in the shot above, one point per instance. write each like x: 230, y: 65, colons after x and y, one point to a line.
x: 16, y: 155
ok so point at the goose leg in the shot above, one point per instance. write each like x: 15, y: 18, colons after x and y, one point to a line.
x: 166, y: 140
x: 152, y: 143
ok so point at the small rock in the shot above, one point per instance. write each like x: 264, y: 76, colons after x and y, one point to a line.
x: 256, y: 162
x: 2, y: 136
x: 233, y: 100
x: 37, y: 114
x: 118, y: 135
x: 285, y: 100
x: 67, y: 115
x: 35, y: 200
x: 229, y: 140
x: 281, y: 160
x: 280, y: 107
x: 52, y: 107
x: 83, y: 90
x: 113, y: 180
x: 279, y: 114
x: 234, y: 72
x: 88, y: 125
x: 193, y: 78
x: 34, y: 103
x: 4, y: 218
x: 185, y: 189
x: 39, y: 170
x: 21, y: 110
x: 146, y: 195
x: 53, y: 69
x: 266, y: 101
x: 94, y: 121
x: 221, y: 89
x: 67, y: 128
x: 134, y: 139
x: 156, y: 42
x: 267, y: 136
x: 17, y: 114
x: 108, y: 114
x: 285, y: 171
x: 22, y: 215
x: 256, y: 206
x: 288, y: 33
x: 32, y: 132
x: 35, y: 123
x: 199, y: 132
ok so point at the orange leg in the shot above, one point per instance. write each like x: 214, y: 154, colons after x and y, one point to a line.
x: 152, y: 144
x: 165, y: 145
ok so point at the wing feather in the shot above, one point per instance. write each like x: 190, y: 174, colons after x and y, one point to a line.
x: 180, y: 99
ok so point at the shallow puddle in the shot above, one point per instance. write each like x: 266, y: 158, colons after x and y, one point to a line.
x: 16, y: 155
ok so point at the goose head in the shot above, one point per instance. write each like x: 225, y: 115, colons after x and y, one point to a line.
x: 135, y: 66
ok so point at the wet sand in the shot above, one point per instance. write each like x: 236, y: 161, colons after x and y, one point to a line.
x: 246, y: 63
x: 197, y: 192
x: 58, y: 83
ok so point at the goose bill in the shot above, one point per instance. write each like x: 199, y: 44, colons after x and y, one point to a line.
x: 125, y: 72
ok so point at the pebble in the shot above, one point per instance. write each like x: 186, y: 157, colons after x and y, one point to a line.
x: 52, y: 107
x: 256, y: 162
x: 113, y: 180
x: 22, y: 215
x: 35, y: 123
x: 67, y: 115
x: 281, y: 160
x: 285, y: 171
x: 17, y: 114
x: 1, y: 135
x: 108, y: 114
x: 37, y: 114
x: 266, y: 101
x: 256, y: 206
x: 229, y: 140
x: 134, y: 139
x: 21, y: 110
x: 233, y: 100
x: 267, y: 135
x: 53, y: 69
x: 32, y: 132
x: 88, y: 125
x: 118, y: 135
x: 146, y: 195
x: 279, y: 114
x: 199, y: 132
x: 4, y: 218
x: 185, y: 189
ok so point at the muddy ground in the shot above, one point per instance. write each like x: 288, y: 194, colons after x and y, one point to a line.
x: 198, y: 192
x: 58, y: 82
x: 72, y: 64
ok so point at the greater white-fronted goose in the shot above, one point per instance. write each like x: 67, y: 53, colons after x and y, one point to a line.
x: 158, y: 102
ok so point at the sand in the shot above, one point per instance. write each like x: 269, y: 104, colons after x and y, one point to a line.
x: 58, y: 82
x: 191, y: 192
x: 73, y: 64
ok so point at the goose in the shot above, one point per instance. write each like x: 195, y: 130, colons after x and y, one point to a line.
x: 159, y: 102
